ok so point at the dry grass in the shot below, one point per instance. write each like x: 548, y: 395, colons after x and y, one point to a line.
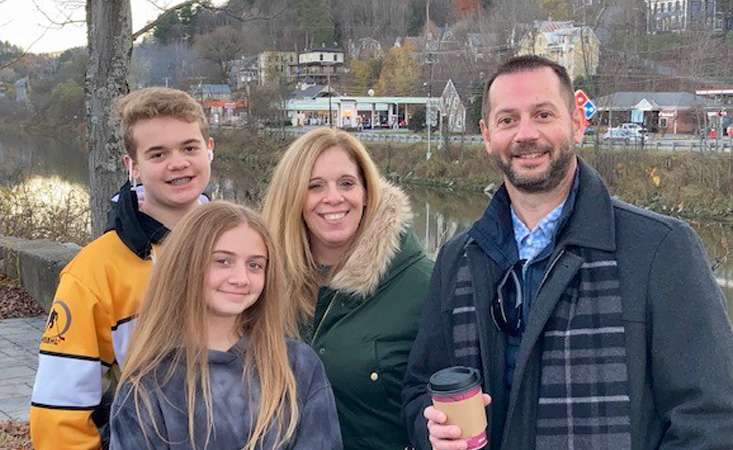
x: 45, y: 208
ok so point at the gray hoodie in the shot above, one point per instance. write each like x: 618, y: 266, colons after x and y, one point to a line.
x: 234, y: 403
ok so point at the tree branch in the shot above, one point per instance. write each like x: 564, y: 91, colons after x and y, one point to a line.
x: 205, y: 5
x: 24, y: 54
x: 68, y: 20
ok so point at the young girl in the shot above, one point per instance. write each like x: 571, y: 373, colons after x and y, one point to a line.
x: 208, y: 365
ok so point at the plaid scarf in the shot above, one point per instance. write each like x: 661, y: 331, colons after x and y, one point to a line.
x: 584, y: 393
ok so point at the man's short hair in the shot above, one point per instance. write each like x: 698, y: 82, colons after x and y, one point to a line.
x: 149, y: 103
x: 526, y: 63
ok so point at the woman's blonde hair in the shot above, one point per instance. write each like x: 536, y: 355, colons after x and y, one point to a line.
x: 283, y: 211
x: 172, y: 324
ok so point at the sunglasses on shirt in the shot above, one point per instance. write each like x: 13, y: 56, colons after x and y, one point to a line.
x: 510, y: 287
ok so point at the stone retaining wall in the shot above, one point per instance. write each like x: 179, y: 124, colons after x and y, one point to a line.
x: 36, y: 263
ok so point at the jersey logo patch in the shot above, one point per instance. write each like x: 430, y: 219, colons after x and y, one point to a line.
x: 59, y: 322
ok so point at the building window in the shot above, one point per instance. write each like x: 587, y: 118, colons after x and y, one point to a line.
x: 335, y: 58
x: 321, y: 56
x: 662, y: 122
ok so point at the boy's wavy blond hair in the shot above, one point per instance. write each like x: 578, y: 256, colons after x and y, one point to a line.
x: 149, y: 103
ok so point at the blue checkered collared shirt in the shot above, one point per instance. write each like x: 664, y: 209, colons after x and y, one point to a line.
x: 531, y: 243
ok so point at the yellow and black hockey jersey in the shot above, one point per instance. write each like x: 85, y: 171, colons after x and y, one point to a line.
x: 89, y: 327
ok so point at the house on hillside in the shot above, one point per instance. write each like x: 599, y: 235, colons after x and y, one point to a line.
x: 22, y: 94
x: 273, y: 66
x: 663, y: 112
x: 483, y: 46
x: 244, y: 72
x: 575, y: 48
x: 319, y: 66
x: 364, y: 48
x: 685, y: 15
x: 452, y: 109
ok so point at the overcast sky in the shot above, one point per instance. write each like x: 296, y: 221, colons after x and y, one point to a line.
x: 22, y: 24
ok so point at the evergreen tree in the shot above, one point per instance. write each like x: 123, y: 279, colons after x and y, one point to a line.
x: 315, y: 22
x: 416, y: 21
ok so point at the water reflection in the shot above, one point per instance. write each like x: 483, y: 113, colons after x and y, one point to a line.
x: 22, y: 157
x: 440, y: 215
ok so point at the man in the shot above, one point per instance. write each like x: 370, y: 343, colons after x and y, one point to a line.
x: 91, y: 320
x: 595, y: 324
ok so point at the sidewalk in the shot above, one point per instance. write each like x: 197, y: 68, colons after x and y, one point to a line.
x: 19, y: 340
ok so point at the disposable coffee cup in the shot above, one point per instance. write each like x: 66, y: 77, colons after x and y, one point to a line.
x: 456, y: 391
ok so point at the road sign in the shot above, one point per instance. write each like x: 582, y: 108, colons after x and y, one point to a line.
x: 582, y: 101
x: 589, y: 109
x: 580, y: 98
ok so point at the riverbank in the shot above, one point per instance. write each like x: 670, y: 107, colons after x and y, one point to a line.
x: 689, y: 185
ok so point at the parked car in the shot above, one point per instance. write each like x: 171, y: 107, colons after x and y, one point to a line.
x: 591, y: 130
x: 622, y: 136
x: 633, y: 127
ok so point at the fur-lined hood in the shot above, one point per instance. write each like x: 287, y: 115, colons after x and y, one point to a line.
x: 377, y: 246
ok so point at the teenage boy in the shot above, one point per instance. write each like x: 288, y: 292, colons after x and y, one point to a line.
x: 93, y: 314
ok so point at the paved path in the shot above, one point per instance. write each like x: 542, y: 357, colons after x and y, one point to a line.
x: 19, y: 340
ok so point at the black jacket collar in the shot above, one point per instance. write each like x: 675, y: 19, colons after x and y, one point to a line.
x: 592, y: 223
x: 137, y: 230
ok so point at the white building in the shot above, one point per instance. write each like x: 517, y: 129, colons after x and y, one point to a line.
x: 683, y: 15
x: 354, y: 112
x: 319, y: 65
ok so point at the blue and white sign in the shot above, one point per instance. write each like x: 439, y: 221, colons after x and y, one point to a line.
x: 589, y: 109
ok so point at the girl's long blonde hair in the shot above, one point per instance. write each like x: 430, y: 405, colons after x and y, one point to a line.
x: 172, y: 324
x: 282, y: 210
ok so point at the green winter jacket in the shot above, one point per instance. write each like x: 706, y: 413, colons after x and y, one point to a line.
x: 365, y: 322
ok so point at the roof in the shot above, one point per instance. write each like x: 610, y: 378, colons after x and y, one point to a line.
x: 467, y: 91
x: 323, y: 49
x: 655, y: 100
x: 545, y: 26
x: 555, y: 37
x: 310, y: 92
x: 213, y: 89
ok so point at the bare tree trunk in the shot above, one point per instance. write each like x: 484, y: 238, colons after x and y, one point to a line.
x: 109, y: 35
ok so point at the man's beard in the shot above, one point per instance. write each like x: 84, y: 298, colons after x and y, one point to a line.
x: 560, y: 162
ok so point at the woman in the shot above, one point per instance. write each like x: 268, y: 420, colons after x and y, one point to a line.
x: 209, y: 366
x: 356, y: 277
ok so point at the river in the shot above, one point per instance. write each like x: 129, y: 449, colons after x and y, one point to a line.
x: 51, y: 168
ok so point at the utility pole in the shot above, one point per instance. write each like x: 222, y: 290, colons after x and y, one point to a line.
x: 330, y: 94
x: 428, y: 116
x: 429, y: 61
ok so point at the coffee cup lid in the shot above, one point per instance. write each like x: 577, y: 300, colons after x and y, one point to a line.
x: 454, y: 380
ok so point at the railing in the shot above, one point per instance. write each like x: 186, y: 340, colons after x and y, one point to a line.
x: 403, y: 136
